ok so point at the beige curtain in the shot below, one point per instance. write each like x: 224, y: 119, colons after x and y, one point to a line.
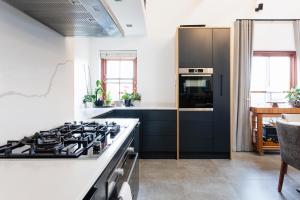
x: 242, y: 140
x: 297, y: 45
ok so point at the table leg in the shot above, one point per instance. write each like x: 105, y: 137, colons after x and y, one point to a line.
x: 259, y: 142
x: 253, y: 134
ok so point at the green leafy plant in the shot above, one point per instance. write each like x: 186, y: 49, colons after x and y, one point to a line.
x: 135, y: 96
x: 126, y: 96
x: 94, y: 96
x: 98, y: 90
x: 293, y: 97
x: 88, y: 98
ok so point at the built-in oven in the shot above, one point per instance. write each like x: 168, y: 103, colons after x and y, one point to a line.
x: 196, y: 89
x: 126, y: 170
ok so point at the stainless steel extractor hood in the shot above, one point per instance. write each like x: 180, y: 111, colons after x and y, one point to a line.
x: 71, y: 17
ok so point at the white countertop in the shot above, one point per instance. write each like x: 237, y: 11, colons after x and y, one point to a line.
x: 88, y: 113
x: 56, y: 179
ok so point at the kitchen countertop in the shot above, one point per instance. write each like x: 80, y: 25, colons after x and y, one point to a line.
x: 88, y: 113
x: 56, y: 179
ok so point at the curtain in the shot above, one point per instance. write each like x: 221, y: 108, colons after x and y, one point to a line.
x: 297, y: 45
x: 241, y: 85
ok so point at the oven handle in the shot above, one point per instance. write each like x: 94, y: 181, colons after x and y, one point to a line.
x: 195, y: 75
x: 196, y: 109
x: 133, y: 166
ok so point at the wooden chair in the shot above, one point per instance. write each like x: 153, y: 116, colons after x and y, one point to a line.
x: 289, y: 140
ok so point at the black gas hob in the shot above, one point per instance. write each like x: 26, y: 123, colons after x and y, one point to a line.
x: 71, y: 140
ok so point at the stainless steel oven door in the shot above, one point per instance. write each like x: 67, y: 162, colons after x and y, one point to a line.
x: 196, y: 91
x: 127, y: 170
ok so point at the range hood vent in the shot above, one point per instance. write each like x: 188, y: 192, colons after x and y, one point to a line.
x: 70, y: 17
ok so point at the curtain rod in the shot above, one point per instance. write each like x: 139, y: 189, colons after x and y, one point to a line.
x: 270, y: 19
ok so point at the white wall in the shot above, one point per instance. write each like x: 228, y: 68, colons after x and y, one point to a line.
x: 156, y: 50
x: 36, y: 91
x: 273, y: 36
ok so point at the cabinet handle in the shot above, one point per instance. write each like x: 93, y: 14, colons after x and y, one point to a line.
x: 221, y: 85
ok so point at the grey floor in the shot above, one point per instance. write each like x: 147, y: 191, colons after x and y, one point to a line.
x: 246, y: 177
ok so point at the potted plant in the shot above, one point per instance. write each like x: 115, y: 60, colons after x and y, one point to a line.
x: 135, y: 97
x: 98, y: 93
x: 294, y: 97
x: 127, y: 99
x: 88, y: 100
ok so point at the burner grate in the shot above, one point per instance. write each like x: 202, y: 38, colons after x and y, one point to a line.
x: 70, y: 140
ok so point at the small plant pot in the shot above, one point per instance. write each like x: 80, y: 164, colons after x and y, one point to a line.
x: 99, y: 103
x: 136, y: 103
x: 295, y: 103
x: 88, y: 105
x: 127, y: 102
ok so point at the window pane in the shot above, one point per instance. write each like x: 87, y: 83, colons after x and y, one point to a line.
x: 112, y: 69
x: 258, y: 99
x: 113, y: 88
x: 126, y: 87
x: 126, y: 70
x: 278, y: 97
x: 259, y: 73
x: 279, y: 74
x: 119, y: 77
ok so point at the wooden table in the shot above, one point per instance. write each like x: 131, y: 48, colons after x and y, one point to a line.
x: 258, y: 113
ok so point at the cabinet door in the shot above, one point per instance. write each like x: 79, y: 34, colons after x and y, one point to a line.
x: 195, y: 47
x: 221, y: 63
x: 159, y: 143
x: 159, y: 115
x: 196, y: 132
x: 159, y: 132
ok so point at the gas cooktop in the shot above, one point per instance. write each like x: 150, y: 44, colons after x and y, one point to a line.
x: 71, y: 140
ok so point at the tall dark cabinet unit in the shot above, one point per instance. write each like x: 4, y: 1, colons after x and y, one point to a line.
x: 206, y: 134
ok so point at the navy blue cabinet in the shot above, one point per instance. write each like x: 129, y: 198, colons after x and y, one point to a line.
x: 206, y: 134
x: 195, y: 47
x: 196, y: 134
x: 159, y: 134
x: 157, y: 131
x: 221, y: 63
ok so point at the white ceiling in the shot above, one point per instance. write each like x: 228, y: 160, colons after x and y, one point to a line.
x: 128, y: 12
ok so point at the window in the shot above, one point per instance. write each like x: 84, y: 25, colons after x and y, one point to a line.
x: 273, y: 75
x: 119, y: 76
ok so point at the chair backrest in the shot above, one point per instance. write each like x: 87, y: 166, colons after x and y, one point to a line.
x: 289, y: 140
x: 291, y: 117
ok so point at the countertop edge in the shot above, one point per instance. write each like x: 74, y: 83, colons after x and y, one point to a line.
x: 120, y: 142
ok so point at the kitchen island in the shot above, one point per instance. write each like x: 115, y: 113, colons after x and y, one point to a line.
x: 57, y: 179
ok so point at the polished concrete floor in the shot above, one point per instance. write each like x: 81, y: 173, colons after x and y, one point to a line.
x: 246, y: 177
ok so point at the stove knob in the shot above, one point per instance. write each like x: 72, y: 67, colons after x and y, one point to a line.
x: 130, y: 149
x: 119, y: 171
x: 96, y: 145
